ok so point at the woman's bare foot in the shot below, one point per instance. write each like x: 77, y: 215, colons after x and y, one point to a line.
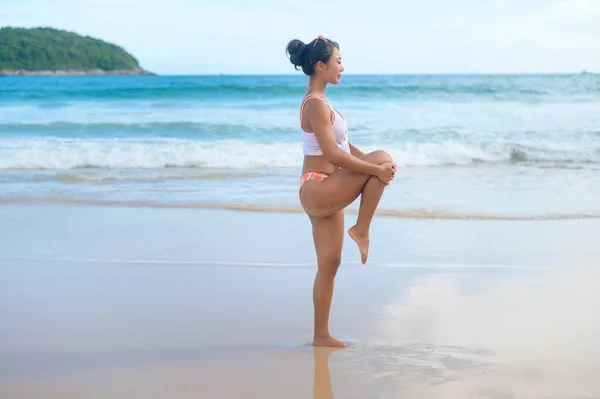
x: 362, y: 240
x: 329, y: 341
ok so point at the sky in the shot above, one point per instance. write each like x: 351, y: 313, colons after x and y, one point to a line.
x: 179, y: 37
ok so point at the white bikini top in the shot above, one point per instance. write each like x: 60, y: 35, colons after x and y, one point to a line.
x: 310, y: 145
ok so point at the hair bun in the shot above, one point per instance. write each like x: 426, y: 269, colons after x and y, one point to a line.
x: 295, y: 50
x: 306, y: 56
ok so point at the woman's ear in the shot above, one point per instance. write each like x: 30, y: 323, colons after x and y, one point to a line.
x: 320, y: 66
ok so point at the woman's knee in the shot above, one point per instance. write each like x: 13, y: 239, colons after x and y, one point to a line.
x: 378, y: 157
x: 330, y: 265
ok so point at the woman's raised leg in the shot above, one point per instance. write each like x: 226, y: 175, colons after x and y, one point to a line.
x: 339, y: 190
x: 328, y: 235
x: 369, y: 200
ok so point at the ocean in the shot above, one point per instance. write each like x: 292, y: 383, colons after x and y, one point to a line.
x: 468, y: 147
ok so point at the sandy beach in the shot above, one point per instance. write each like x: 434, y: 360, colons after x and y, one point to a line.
x: 127, y: 302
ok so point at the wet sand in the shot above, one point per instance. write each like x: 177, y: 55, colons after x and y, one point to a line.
x: 126, y: 302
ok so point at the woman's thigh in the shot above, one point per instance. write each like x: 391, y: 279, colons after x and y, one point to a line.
x: 340, y: 189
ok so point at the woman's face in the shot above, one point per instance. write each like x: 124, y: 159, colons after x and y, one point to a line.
x: 332, y: 71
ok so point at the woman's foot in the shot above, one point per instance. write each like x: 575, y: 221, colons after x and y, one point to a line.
x: 362, y: 240
x: 329, y: 341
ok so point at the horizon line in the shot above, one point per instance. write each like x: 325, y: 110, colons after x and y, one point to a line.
x: 583, y: 72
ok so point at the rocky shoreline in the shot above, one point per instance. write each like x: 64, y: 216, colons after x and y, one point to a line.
x: 75, y: 72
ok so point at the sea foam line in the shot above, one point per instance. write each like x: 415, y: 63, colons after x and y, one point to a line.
x: 52, y: 153
x: 267, y: 265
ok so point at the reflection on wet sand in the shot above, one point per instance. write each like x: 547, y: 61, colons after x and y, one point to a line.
x: 487, y: 334
x: 322, y: 388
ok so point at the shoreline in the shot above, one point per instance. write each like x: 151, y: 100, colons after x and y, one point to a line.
x: 76, y: 72
x: 407, y: 213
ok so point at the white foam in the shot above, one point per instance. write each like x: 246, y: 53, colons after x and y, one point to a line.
x: 64, y: 153
x: 120, y: 153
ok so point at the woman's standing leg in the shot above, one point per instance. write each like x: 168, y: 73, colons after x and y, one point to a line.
x: 328, y: 235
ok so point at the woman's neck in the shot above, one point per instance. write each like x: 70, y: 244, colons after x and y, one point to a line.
x: 317, y: 86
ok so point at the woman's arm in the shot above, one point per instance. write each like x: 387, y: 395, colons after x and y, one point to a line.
x: 354, y: 150
x: 319, y: 116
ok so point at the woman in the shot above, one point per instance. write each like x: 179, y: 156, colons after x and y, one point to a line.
x: 335, y: 172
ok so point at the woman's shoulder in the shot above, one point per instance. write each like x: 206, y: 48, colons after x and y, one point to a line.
x: 320, y: 100
x: 315, y: 106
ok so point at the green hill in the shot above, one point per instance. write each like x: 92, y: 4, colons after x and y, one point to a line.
x: 48, y: 51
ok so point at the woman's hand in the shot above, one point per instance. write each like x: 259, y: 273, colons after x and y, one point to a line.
x: 387, y: 172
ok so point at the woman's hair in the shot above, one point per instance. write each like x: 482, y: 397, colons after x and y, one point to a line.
x: 305, y: 56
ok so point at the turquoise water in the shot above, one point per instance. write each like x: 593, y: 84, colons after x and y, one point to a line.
x: 514, y: 146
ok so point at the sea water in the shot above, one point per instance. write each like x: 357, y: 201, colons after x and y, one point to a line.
x: 481, y: 146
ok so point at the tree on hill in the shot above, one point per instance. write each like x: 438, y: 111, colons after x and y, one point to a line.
x: 48, y: 49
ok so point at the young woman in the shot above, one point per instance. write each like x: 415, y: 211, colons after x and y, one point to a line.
x: 334, y: 174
